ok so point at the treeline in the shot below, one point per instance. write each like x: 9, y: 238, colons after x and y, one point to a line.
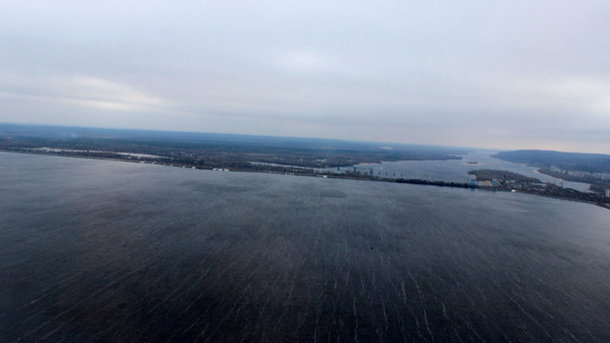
x: 217, y: 150
x: 501, y: 175
x: 591, y: 163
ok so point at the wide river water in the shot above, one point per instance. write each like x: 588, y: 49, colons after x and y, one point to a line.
x: 94, y: 250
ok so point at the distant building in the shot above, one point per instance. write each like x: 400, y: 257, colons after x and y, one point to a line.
x: 608, y: 193
x: 486, y: 183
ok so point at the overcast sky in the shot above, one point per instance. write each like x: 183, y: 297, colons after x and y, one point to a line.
x: 498, y: 74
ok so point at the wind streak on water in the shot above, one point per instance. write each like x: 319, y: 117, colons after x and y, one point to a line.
x: 123, y: 252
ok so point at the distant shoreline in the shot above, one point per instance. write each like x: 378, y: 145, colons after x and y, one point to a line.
x: 314, y: 173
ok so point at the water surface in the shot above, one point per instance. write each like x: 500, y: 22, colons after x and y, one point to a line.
x: 123, y: 252
x: 456, y: 170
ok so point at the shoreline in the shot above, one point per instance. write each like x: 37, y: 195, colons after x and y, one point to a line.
x: 303, y: 171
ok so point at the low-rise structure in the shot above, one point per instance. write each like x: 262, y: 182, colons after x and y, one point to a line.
x: 484, y: 183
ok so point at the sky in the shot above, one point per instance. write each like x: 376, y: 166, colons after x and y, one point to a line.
x: 495, y: 74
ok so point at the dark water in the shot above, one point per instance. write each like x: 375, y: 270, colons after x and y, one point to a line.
x: 110, y: 251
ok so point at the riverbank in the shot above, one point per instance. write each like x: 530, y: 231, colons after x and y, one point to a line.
x: 549, y: 190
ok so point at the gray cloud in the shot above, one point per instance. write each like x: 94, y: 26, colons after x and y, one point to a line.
x: 517, y: 74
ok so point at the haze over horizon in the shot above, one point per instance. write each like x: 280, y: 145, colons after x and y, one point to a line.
x: 518, y: 75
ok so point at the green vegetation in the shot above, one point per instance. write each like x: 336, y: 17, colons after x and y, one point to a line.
x: 569, y: 161
x: 593, y: 169
x: 501, y: 176
x: 209, y: 151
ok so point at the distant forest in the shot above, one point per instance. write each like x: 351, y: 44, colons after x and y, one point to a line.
x: 569, y: 161
x: 208, y: 150
x: 502, y: 175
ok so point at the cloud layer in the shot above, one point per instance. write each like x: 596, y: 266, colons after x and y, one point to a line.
x: 517, y: 74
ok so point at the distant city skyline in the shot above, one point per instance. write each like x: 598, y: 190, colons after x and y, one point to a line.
x: 506, y: 75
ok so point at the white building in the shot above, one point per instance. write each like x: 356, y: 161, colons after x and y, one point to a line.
x: 486, y: 183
